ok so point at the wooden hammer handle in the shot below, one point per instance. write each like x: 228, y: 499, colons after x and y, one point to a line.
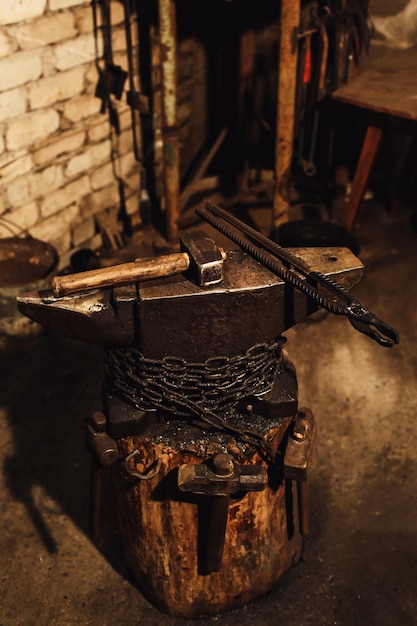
x: 143, y: 269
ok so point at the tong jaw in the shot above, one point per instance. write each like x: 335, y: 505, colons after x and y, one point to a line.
x: 371, y: 325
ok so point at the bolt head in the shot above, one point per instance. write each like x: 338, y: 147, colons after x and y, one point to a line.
x: 223, y: 464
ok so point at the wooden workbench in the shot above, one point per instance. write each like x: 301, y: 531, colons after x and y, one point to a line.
x: 388, y: 86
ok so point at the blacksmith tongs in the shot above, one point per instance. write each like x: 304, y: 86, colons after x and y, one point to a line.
x: 287, y: 266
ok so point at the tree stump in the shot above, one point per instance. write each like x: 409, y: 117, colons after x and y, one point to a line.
x: 162, y: 528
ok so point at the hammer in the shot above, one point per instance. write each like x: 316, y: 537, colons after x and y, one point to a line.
x: 199, y: 255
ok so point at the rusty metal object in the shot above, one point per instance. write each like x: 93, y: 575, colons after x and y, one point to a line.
x: 300, y: 446
x: 99, y: 442
x: 127, y: 418
x: 206, y: 259
x: 151, y: 472
x: 167, y: 34
x: 105, y: 452
x: 297, y: 461
x: 287, y: 80
x: 223, y: 478
x: 25, y: 260
x: 219, y: 480
x: 200, y: 255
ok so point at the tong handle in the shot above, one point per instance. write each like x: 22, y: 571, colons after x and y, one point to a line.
x: 362, y: 320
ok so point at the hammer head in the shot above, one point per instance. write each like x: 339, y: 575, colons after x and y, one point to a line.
x: 206, y: 258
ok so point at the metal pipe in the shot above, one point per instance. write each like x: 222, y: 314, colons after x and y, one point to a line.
x: 246, y: 52
x: 167, y: 32
x: 287, y: 83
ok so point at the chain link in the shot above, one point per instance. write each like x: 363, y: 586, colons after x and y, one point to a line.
x: 196, y: 391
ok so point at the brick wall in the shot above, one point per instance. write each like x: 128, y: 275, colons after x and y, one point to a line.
x: 59, y: 159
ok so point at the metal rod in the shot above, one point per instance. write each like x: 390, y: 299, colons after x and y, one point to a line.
x: 246, y: 61
x: 283, y: 254
x: 167, y: 32
x: 287, y: 81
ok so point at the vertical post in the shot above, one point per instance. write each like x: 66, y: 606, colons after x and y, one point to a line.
x: 287, y: 83
x: 246, y: 52
x: 167, y: 32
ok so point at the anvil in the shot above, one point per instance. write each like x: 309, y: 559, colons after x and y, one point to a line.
x: 175, y: 316
x: 224, y: 403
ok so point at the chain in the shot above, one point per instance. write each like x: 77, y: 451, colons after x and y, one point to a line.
x: 196, y: 391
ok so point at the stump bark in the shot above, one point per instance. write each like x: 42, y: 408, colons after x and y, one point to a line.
x: 162, y: 529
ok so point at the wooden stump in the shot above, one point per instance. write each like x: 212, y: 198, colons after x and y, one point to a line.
x: 161, y: 528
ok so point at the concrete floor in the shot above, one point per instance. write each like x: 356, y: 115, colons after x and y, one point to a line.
x: 360, y: 561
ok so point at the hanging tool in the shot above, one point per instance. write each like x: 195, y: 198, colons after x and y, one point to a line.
x: 136, y: 100
x: 288, y: 267
x: 138, y: 103
x: 112, y: 77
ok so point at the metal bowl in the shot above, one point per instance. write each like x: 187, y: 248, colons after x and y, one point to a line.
x: 25, y: 260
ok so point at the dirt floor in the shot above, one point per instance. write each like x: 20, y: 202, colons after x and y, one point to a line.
x: 359, y: 564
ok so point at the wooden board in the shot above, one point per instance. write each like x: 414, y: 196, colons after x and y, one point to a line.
x: 389, y: 85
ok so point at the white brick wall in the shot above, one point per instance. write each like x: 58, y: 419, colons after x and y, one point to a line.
x: 57, y: 152
x: 45, y: 31
x: 59, y: 87
x: 12, y: 103
x: 78, y: 108
x: 12, y: 11
x: 90, y: 157
x: 65, y: 196
x: 6, y: 45
x: 102, y: 176
x: 76, y: 51
x: 54, y: 5
x: 31, y: 127
x: 20, y: 68
x: 20, y: 220
x: 35, y: 185
x: 60, y: 146
x: 15, y: 164
x: 57, y: 226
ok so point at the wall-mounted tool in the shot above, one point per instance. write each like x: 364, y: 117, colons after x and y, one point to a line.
x: 112, y: 77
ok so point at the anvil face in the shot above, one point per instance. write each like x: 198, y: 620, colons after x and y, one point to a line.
x: 176, y: 317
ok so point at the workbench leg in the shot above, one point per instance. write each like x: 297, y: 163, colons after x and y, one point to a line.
x: 363, y: 169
